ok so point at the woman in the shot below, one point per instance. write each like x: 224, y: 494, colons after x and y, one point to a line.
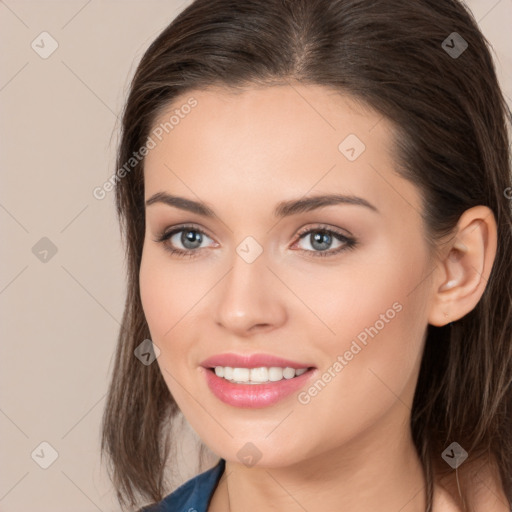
x: 315, y: 200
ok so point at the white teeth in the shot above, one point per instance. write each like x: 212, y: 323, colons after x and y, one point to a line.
x: 241, y: 374
x: 257, y: 375
x: 289, y: 373
x: 275, y: 373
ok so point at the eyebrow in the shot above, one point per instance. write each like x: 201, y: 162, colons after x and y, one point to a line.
x: 283, y: 209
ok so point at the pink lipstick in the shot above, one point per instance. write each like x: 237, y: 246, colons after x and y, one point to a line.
x: 255, y: 380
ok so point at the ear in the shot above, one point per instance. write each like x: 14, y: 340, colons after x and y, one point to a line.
x: 464, y: 270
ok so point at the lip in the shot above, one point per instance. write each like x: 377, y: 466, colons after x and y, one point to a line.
x: 251, y: 361
x: 254, y: 395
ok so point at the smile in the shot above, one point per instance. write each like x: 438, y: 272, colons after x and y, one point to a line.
x: 239, y: 393
x: 257, y: 375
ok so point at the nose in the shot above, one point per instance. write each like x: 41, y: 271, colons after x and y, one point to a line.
x: 250, y: 298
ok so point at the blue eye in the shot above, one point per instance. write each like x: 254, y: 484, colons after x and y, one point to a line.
x: 320, y: 237
x: 191, y: 238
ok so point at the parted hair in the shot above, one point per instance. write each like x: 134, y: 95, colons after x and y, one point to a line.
x: 452, y: 142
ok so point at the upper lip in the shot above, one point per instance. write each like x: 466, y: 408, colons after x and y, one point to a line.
x: 251, y: 361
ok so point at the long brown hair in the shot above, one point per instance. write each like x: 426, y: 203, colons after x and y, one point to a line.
x: 440, y: 90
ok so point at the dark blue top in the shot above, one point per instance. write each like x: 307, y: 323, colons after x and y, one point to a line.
x: 194, y: 495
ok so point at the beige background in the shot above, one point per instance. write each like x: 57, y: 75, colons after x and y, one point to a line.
x: 60, y: 318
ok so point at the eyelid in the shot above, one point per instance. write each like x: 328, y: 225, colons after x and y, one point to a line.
x: 348, y: 240
x: 168, y: 232
x: 325, y: 227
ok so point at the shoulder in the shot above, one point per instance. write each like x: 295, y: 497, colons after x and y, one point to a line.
x: 193, y: 494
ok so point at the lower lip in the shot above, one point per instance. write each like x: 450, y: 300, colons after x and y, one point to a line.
x: 254, y: 395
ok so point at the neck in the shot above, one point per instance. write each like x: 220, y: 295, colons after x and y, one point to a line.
x: 379, y: 470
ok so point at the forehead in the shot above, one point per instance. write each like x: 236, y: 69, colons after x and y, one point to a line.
x: 277, y: 141
x: 298, y: 110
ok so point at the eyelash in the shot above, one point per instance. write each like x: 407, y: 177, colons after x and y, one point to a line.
x: 349, y: 243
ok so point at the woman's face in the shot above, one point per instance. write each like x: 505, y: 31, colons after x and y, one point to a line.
x: 342, y: 289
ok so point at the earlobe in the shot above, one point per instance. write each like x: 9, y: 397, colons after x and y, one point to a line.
x: 464, y: 272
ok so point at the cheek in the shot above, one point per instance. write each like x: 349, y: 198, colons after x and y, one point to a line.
x: 390, y: 336
x: 172, y: 295
x: 168, y: 293
x: 367, y: 290
x: 153, y: 293
x: 369, y: 367
x: 373, y: 315
x: 165, y: 305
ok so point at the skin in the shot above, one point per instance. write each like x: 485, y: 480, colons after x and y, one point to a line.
x: 242, y: 154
